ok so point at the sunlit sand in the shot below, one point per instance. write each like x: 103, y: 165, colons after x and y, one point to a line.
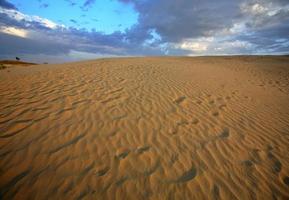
x: 146, y: 128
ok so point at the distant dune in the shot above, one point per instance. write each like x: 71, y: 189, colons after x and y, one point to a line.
x: 146, y: 128
x: 15, y: 62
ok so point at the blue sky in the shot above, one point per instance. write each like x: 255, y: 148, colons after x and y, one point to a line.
x: 70, y: 30
x: 105, y: 16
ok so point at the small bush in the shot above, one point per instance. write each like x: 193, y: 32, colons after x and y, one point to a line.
x: 2, y: 66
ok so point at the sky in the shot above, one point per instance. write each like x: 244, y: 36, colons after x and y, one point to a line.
x: 58, y: 31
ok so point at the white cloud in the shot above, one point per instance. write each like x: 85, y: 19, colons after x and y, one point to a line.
x: 254, y: 8
x: 198, y: 45
x: 258, y: 9
x: 14, y: 31
x: 213, y: 46
x: 230, y: 46
x: 45, y: 22
x: 194, y: 46
x: 262, y: 8
x: 18, y: 16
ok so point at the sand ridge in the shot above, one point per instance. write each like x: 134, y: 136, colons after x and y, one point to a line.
x: 146, y: 128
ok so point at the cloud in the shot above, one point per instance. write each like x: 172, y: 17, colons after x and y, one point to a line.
x: 238, y: 26
x: 87, y: 4
x: 40, y: 31
x: 13, y: 45
x: 184, y: 23
x: 24, y: 35
x: 260, y: 14
x: 164, y: 27
x: 17, y: 19
x: 73, y: 21
x: 7, y: 5
x: 178, y: 20
x: 44, y: 5
x: 214, y: 46
x: 14, y: 31
x: 71, y: 2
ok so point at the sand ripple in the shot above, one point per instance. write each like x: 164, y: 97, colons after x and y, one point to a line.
x: 147, y: 128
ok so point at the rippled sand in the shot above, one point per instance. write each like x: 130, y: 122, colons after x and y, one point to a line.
x: 146, y: 128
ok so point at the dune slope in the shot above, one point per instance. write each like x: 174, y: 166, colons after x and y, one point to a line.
x: 146, y: 128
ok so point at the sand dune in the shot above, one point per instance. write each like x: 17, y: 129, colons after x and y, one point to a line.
x: 146, y: 128
x: 16, y: 62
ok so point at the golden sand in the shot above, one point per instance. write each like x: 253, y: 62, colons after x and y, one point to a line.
x: 146, y: 128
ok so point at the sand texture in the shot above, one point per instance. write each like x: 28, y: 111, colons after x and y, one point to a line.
x: 146, y: 128
x: 4, y: 64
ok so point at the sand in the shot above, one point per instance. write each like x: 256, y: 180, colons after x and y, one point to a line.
x: 4, y: 64
x: 146, y: 128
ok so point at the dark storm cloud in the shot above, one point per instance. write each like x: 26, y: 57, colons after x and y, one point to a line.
x: 265, y: 13
x: 177, y: 20
x: 267, y: 25
x: 7, y: 5
x: 269, y: 39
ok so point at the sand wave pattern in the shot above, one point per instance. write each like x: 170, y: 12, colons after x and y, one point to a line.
x: 147, y: 128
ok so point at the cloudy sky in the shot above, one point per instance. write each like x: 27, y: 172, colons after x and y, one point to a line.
x: 69, y: 30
